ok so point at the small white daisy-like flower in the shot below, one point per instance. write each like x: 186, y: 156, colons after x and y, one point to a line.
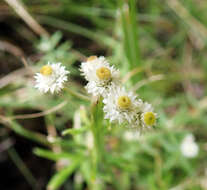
x: 88, y: 65
x: 188, y: 147
x: 51, y: 78
x: 147, y: 117
x: 100, y: 75
x: 122, y: 107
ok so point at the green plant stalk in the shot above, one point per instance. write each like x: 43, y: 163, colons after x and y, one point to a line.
x: 130, y: 33
x: 98, y: 148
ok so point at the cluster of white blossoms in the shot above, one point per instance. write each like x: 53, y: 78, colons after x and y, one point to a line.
x: 51, y: 78
x: 103, y: 80
x: 119, y: 105
x: 188, y: 147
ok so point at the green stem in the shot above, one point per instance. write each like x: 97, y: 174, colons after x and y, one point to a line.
x: 76, y: 94
x: 18, y: 129
x: 98, y: 148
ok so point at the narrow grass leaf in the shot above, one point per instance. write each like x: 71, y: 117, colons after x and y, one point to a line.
x: 61, y: 176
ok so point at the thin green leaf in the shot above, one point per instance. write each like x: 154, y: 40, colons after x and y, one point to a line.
x: 61, y: 176
x: 52, y: 155
x: 74, y: 131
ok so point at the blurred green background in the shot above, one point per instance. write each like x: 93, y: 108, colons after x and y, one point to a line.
x: 159, y: 47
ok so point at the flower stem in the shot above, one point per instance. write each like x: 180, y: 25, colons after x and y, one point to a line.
x: 98, y: 148
x: 77, y: 94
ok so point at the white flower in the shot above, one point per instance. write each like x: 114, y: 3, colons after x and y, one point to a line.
x: 188, y: 147
x: 88, y: 65
x: 100, y: 75
x: 148, y: 117
x: 51, y: 78
x: 122, y: 107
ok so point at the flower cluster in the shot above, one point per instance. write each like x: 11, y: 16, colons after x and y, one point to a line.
x: 103, y: 80
x: 119, y: 105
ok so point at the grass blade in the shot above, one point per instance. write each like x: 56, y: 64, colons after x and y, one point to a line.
x: 61, y: 176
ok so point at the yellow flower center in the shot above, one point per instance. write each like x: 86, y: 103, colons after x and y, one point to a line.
x: 46, y: 70
x: 91, y: 58
x: 149, y: 118
x: 103, y: 73
x: 124, y: 102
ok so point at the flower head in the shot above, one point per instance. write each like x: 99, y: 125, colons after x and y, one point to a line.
x: 124, y: 102
x: 100, y: 75
x: 51, y: 78
x: 148, y: 117
x: 188, y: 147
x: 87, y: 66
x: 46, y: 70
x: 103, y: 73
x: 122, y: 106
